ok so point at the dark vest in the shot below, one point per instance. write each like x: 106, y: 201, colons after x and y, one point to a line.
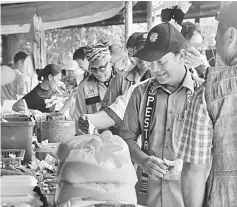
x: 221, y: 97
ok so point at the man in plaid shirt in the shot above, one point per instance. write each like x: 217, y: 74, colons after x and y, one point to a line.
x: 210, y: 130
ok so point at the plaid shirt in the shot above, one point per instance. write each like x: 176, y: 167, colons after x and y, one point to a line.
x: 196, y: 137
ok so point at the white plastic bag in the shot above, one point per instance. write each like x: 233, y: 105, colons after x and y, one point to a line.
x: 94, y: 165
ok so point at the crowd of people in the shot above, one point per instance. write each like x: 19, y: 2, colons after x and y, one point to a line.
x: 175, y: 112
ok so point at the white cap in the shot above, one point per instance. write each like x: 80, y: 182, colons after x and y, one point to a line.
x: 70, y: 65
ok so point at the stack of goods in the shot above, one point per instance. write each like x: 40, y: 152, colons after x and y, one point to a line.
x: 16, y: 181
x: 44, y: 148
x: 96, y: 168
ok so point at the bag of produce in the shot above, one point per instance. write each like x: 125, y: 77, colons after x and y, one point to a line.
x: 98, y: 167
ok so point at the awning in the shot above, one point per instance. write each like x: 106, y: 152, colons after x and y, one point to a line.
x: 16, y: 18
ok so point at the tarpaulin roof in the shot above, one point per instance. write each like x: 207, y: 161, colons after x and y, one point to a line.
x: 16, y: 18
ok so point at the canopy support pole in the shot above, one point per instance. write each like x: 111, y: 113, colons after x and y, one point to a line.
x: 197, y: 19
x: 128, y: 19
x: 149, y: 15
x: 11, y: 46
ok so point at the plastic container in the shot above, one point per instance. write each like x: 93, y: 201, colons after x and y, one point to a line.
x: 57, y: 130
x: 6, y: 160
x: 17, y: 134
x: 17, y: 185
x: 16, y: 117
x: 52, y: 148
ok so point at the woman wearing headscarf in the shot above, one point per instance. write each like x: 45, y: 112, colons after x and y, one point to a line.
x: 91, y: 91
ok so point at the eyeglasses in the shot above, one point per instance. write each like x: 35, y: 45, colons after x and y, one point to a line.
x: 102, y: 68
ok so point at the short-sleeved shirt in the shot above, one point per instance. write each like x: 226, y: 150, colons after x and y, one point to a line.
x: 196, y: 136
x: 117, y: 109
x: 89, y: 95
x: 120, y: 84
x: 11, y: 90
x: 164, y: 134
x: 41, y: 99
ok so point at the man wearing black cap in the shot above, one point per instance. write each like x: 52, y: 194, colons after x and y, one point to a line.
x: 119, y: 91
x: 156, y: 110
x: 120, y: 84
x: 209, y: 136
x: 130, y: 46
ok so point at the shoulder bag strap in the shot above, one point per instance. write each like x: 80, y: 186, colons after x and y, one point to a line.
x: 149, y: 113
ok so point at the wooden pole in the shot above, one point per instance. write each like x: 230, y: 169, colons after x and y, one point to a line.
x: 4, y: 50
x: 149, y: 15
x: 197, y: 19
x: 128, y: 19
x: 10, y: 46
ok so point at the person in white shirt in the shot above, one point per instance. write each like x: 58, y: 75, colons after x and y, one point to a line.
x: 16, y: 88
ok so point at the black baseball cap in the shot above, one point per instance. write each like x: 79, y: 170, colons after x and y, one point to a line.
x: 132, y: 39
x: 161, y: 39
x: 140, y: 40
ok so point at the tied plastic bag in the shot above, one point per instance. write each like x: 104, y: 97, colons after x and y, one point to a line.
x: 96, y: 166
x: 96, y: 158
x: 118, y: 193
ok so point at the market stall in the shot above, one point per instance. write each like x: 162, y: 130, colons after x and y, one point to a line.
x: 59, y: 173
x: 43, y: 163
x: 32, y: 170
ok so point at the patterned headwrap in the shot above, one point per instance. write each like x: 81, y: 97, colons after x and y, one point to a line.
x: 97, y: 52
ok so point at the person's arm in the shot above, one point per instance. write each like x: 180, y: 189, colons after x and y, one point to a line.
x: 193, y: 184
x: 137, y: 155
x: 67, y: 105
x: 80, y: 105
x: 130, y: 131
x: 19, y: 106
x: 195, y: 149
x: 20, y: 85
x: 96, y: 120
x: 113, y: 115
x: 117, y: 109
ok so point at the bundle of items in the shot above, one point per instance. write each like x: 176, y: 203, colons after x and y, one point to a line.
x: 44, y: 148
x: 17, y: 181
x: 96, y: 168
x: 19, y: 189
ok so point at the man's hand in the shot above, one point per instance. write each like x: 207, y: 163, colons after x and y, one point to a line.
x: 83, y: 124
x: 174, y: 169
x: 155, y: 167
x: 194, y: 58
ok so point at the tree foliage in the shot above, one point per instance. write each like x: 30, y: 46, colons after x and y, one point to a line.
x: 61, y: 43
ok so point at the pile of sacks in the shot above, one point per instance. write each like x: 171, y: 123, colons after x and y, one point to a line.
x: 96, y: 167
